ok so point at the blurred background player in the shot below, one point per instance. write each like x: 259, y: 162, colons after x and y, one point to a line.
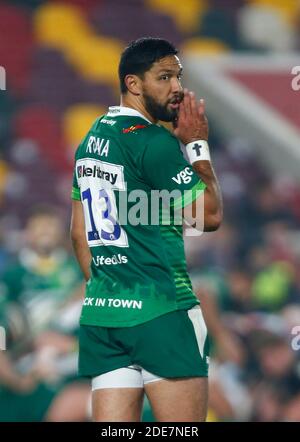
x: 41, y: 294
x: 44, y: 277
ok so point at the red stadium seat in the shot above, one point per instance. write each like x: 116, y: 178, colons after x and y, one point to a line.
x: 42, y: 125
x: 16, y: 45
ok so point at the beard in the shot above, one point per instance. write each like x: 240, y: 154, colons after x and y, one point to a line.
x: 159, y: 111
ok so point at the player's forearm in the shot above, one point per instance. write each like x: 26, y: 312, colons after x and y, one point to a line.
x: 82, y: 253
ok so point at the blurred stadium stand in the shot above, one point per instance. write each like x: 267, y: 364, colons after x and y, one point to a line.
x: 61, y: 62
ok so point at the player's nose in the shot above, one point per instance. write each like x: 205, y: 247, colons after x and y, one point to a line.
x: 175, y: 85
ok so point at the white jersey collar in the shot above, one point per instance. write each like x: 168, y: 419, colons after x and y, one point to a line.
x: 118, y: 111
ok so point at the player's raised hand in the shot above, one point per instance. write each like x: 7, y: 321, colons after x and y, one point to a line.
x: 192, y: 123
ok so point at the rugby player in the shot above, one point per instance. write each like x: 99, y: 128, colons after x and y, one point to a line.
x: 141, y: 327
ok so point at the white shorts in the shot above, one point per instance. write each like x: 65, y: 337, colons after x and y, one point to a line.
x: 132, y: 376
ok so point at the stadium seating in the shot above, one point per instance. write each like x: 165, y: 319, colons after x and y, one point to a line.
x: 52, y: 79
x: 76, y: 122
x: 186, y: 14
x: 289, y: 9
x: 42, y: 125
x: 265, y: 27
x: 85, y: 5
x: 59, y: 25
x: 96, y: 58
x: 55, y: 82
x: 130, y: 19
x: 29, y: 4
x: 220, y: 24
x: 16, y: 45
x: 4, y: 172
x: 7, y: 109
x: 204, y: 46
x: 65, y: 28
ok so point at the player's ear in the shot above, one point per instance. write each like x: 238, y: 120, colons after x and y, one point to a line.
x: 133, y: 83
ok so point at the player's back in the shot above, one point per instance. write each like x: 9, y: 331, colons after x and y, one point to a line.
x: 132, y: 279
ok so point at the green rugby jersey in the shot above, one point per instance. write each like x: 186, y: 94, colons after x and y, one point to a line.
x: 138, y: 269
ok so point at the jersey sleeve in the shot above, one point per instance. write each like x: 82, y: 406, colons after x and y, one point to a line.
x: 75, y: 195
x: 165, y: 168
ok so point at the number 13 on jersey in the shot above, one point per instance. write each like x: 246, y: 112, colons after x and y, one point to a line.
x: 97, y: 181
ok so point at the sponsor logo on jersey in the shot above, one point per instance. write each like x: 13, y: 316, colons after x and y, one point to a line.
x: 109, y: 122
x: 132, y: 129
x: 97, y: 145
x: 107, y: 175
x: 96, y: 172
x: 114, y: 260
x: 113, y: 302
x: 184, y: 176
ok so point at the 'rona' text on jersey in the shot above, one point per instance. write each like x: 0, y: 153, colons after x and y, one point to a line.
x: 98, y: 145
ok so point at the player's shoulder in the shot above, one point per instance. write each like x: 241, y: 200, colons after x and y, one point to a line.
x: 158, y: 132
x: 124, y: 127
x: 133, y: 131
x: 148, y: 139
x: 160, y: 139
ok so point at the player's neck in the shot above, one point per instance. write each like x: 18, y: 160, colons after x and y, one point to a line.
x: 134, y: 103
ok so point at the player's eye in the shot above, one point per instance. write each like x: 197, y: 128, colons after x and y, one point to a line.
x: 165, y: 77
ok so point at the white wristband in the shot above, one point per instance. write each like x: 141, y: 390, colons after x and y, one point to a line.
x: 197, y: 151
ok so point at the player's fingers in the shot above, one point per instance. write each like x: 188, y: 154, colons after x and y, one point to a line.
x: 186, y: 102
x: 179, y: 123
x: 181, y: 114
x: 188, y: 109
x: 193, y: 104
x: 201, y: 107
x: 182, y: 107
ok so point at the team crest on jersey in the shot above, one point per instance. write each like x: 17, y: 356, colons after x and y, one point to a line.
x: 133, y: 129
